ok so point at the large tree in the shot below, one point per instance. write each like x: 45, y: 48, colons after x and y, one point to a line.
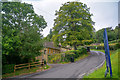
x: 21, y: 30
x: 49, y: 36
x: 73, y: 24
x: 112, y: 34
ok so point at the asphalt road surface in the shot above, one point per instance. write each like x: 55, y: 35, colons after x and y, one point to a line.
x: 71, y: 70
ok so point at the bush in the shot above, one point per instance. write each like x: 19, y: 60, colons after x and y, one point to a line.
x: 54, y: 58
x: 44, y: 61
x: 118, y: 45
x: 84, y: 51
x: 75, y: 53
x: 8, y: 68
x: 111, y: 47
x: 67, y: 55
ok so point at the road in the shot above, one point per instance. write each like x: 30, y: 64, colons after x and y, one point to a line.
x: 71, y: 70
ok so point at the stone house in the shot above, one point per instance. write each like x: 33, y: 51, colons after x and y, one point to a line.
x: 50, y: 49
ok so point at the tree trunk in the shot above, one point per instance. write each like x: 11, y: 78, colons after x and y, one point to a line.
x: 75, y: 48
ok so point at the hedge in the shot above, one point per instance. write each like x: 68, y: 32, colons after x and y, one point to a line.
x: 111, y: 47
x: 75, y: 53
x: 8, y: 68
x: 66, y: 57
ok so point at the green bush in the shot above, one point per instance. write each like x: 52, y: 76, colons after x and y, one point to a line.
x: 83, y: 51
x: 54, y: 58
x: 118, y: 45
x: 44, y: 61
x: 75, y: 53
x: 111, y: 47
x: 8, y: 68
x: 68, y: 54
x: 115, y: 41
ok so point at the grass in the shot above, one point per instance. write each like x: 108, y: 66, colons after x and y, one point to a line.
x: 98, y: 50
x: 99, y: 73
x: 77, y: 59
x: 25, y: 71
x: 111, y: 51
x: 82, y: 57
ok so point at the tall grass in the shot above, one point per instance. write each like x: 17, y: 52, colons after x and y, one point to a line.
x: 99, y: 73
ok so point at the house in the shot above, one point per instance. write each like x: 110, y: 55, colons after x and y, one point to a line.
x: 49, y: 49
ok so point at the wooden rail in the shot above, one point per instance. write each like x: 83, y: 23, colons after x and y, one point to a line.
x: 28, y: 65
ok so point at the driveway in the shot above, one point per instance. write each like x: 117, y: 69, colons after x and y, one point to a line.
x: 71, y: 70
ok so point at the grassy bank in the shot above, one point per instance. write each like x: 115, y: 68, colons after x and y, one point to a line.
x: 99, y: 73
x: 82, y: 57
x: 68, y: 56
x: 25, y: 71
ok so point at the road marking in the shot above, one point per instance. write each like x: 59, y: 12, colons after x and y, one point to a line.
x: 98, y: 52
x: 80, y: 76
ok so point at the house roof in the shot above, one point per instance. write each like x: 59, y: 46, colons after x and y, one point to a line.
x: 50, y: 45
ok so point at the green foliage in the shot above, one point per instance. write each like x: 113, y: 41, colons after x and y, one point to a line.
x: 66, y: 56
x: 118, y: 45
x: 87, y: 42
x: 72, y: 24
x: 101, y: 47
x: 44, y: 61
x: 99, y: 73
x: 49, y: 36
x: 77, y: 54
x: 114, y: 41
x: 112, y: 34
x: 25, y: 71
x: 8, y: 68
x: 21, y: 37
x: 54, y: 58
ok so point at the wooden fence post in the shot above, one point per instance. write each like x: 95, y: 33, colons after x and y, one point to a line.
x: 14, y: 68
x: 29, y: 65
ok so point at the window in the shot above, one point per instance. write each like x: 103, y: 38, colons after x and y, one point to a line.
x: 44, y: 51
x: 49, y: 50
x: 53, y: 51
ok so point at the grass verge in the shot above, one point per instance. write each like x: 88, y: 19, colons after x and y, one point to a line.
x: 99, y: 73
x: 25, y: 71
x: 82, y: 57
x: 76, y: 59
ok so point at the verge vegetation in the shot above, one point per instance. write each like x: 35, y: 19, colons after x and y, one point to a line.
x: 99, y: 73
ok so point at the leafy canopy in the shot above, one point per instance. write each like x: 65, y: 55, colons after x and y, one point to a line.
x: 21, y: 28
x: 73, y: 24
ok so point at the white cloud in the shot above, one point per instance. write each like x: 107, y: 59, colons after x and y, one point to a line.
x: 104, y: 11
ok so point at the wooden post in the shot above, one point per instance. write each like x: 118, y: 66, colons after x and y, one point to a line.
x: 29, y: 65
x: 14, y: 68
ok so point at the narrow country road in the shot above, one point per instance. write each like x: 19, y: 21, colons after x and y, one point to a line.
x: 71, y: 70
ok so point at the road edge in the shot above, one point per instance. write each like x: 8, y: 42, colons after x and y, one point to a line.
x: 81, y: 76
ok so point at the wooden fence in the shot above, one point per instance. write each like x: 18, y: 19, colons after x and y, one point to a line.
x: 28, y: 65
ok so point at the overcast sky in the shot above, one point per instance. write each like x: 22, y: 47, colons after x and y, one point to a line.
x: 105, y: 12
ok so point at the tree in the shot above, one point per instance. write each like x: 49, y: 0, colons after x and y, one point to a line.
x: 117, y: 29
x: 21, y: 31
x: 49, y: 36
x: 111, y: 33
x: 72, y: 24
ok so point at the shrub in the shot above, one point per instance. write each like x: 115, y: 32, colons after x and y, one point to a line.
x: 84, y: 51
x: 118, y: 45
x: 111, y: 47
x: 67, y: 55
x: 8, y: 68
x: 75, y: 53
x: 54, y: 58
x: 44, y: 61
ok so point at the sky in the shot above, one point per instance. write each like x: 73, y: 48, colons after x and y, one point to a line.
x: 105, y: 12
